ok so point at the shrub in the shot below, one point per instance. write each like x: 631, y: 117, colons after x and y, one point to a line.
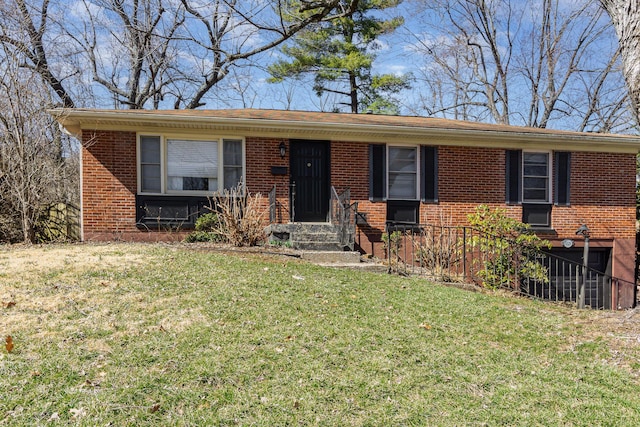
x: 508, y: 246
x: 206, y: 229
x: 438, y: 250
x: 391, y: 242
x: 203, y: 236
x: 240, y: 216
x: 207, y: 222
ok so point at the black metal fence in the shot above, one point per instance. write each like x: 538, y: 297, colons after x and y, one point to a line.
x: 466, y: 255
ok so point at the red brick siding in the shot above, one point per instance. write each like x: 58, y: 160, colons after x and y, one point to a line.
x: 350, y: 168
x: 603, y: 197
x: 109, y: 183
x: 261, y: 155
x: 602, y: 189
x: 471, y: 175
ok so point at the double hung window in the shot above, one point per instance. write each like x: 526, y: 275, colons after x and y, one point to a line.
x: 402, y: 173
x: 530, y: 178
x: 403, y: 177
x: 535, y: 177
x: 233, y: 163
x: 150, y: 164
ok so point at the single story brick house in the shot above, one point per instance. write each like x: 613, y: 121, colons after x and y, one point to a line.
x: 137, y: 164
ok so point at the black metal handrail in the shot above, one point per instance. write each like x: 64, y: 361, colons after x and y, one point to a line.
x: 343, y: 213
x: 273, y: 205
x: 292, y: 196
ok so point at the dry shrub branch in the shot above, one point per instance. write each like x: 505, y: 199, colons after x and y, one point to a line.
x: 240, y: 216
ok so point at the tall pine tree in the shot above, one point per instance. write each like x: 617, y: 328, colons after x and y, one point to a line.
x: 340, y: 55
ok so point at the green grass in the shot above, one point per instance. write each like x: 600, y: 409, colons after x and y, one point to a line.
x: 175, y: 336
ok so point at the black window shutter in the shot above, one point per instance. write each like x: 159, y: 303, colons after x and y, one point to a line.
x: 429, y: 174
x: 513, y: 175
x: 377, y: 172
x: 563, y: 178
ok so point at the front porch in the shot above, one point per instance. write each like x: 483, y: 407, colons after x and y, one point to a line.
x: 337, y: 233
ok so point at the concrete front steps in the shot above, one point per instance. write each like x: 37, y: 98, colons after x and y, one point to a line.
x: 318, y: 243
x: 306, y: 236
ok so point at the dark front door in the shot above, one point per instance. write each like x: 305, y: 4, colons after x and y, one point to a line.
x: 310, y: 174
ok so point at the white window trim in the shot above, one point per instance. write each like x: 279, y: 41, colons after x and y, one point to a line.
x: 386, y: 190
x: 243, y: 176
x: 163, y: 163
x: 549, y: 177
x: 139, y: 163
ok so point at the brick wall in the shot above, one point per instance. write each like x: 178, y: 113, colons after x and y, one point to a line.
x: 262, y: 154
x: 602, y: 188
x: 109, y: 184
x: 602, y: 192
x: 602, y: 196
x: 350, y: 168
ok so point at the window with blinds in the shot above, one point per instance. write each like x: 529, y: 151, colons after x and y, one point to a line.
x: 402, y: 173
x: 176, y: 165
x: 192, y: 165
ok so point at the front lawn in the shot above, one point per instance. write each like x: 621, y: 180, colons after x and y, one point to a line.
x: 171, y: 335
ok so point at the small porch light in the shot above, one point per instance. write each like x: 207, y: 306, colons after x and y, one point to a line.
x: 283, y: 149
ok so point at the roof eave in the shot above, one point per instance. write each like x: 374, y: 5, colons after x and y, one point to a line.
x: 74, y: 121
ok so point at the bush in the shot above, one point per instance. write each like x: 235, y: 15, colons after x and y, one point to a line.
x: 391, y: 243
x: 206, y: 230
x: 236, y: 217
x: 510, y: 248
x: 240, y: 216
x: 438, y: 249
x: 207, y: 222
x: 203, y: 236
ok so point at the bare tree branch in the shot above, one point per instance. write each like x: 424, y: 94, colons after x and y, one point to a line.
x: 521, y: 63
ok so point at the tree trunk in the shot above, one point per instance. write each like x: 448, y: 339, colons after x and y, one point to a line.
x: 625, y: 15
x: 353, y: 91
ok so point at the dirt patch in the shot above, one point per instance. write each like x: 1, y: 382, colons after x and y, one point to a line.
x: 615, y: 326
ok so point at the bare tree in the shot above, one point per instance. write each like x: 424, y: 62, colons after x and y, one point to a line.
x: 226, y: 32
x: 150, y: 53
x: 625, y: 15
x: 130, y: 48
x: 123, y: 53
x: 535, y: 63
x: 35, y: 170
x: 24, y: 26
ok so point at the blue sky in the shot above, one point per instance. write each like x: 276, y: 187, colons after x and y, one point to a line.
x: 246, y: 87
x: 399, y: 55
